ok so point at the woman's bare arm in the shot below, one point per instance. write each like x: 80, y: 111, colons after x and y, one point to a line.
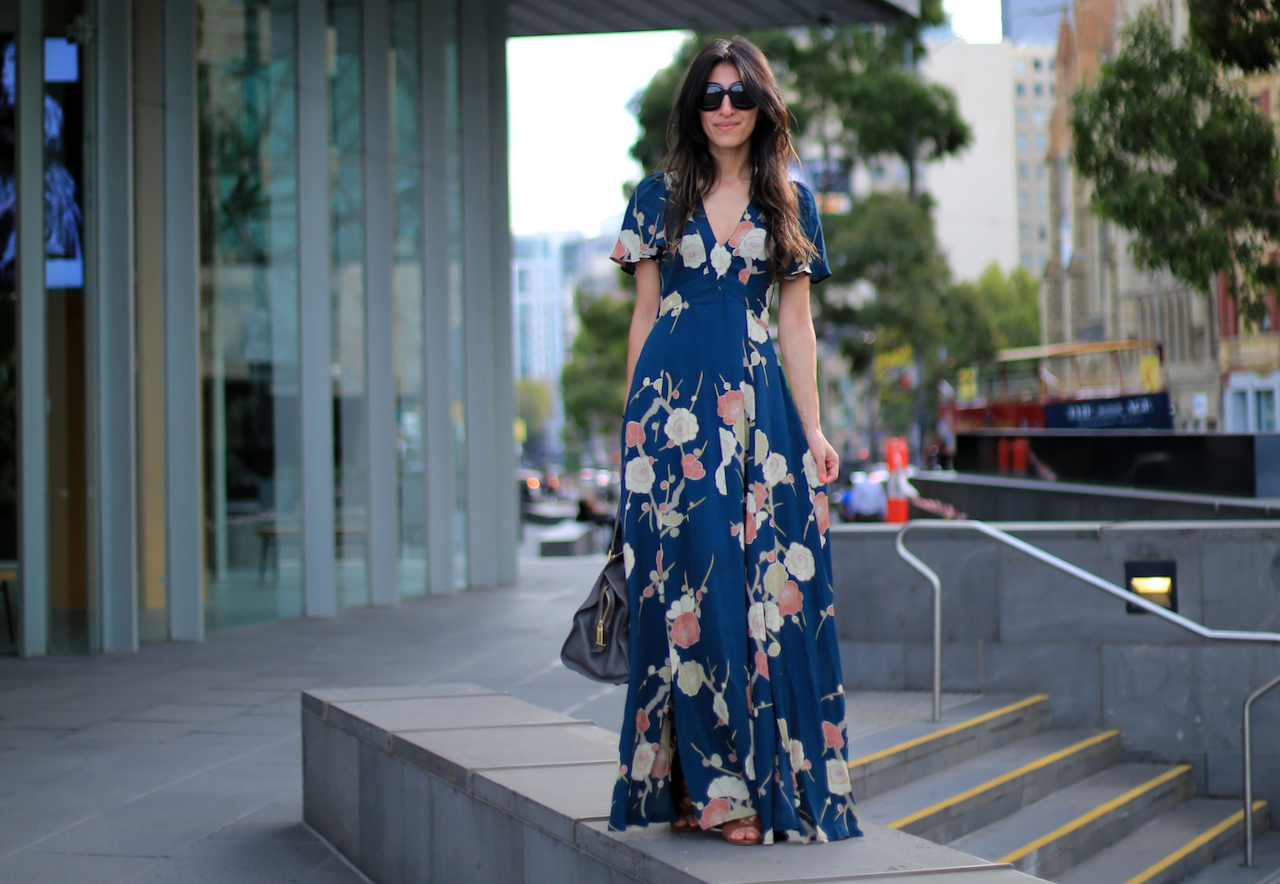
x: 799, y: 354
x: 648, y: 285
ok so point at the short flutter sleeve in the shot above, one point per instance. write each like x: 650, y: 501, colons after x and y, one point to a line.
x: 811, y: 227
x: 642, y: 234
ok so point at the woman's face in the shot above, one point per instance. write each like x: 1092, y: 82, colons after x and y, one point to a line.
x: 726, y: 126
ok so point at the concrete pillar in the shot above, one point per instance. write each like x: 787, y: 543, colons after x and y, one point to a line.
x: 314, y: 313
x: 383, y: 544
x: 505, y: 518
x: 439, y: 35
x: 111, y: 239
x: 33, y: 465
x: 184, y: 543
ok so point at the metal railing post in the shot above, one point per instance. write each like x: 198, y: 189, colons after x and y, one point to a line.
x: 1107, y: 587
x: 1247, y: 715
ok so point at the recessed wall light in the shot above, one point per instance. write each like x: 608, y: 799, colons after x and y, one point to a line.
x: 1154, y: 581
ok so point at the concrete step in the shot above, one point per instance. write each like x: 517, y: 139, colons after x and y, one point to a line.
x: 1047, y: 838
x: 895, y: 756
x: 1227, y: 870
x: 968, y: 796
x: 1173, y: 847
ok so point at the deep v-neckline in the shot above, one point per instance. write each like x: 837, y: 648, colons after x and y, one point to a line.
x: 706, y: 217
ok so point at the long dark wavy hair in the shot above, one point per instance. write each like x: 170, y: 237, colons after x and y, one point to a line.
x: 692, y: 169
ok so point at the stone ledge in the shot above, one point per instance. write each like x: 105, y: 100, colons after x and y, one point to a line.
x: 454, y: 783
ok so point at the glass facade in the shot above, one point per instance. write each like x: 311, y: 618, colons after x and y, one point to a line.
x: 347, y: 294
x: 214, y: 344
x: 248, y: 182
x: 407, y: 282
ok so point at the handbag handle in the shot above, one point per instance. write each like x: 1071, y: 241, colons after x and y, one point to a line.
x: 615, y: 540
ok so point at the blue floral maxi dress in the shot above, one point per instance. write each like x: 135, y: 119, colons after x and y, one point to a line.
x: 733, y: 641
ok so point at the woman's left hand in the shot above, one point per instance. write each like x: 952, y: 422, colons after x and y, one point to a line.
x: 823, y: 455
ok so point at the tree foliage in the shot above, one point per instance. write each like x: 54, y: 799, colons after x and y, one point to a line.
x: 594, y: 379
x: 1243, y: 34
x: 1181, y: 158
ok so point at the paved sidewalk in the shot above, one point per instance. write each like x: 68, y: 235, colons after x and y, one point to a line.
x: 182, y: 763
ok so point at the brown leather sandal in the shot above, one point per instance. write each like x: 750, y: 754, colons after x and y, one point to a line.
x: 744, y: 832
x: 686, y: 814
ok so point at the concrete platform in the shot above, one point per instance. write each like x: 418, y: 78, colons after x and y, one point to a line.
x: 456, y: 783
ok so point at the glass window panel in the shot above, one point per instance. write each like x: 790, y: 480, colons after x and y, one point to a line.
x: 8, y: 316
x: 248, y: 183
x: 346, y: 290
x: 407, y: 283
x: 1266, y: 410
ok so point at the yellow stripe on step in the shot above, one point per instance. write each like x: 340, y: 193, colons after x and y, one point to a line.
x: 1193, y: 845
x: 946, y: 731
x: 1004, y: 778
x: 1100, y: 810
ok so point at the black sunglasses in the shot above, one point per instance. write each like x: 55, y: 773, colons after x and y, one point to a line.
x: 713, y: 97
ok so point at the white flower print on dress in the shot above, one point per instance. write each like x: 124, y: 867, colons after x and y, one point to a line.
x: 690, y: 678
x: 810, y: 470
x: 642, y: 761
x: 749, y: 400
x: 758, y: 326
x: 720, y: 708
x: 682, y: 426
x: 799, y: 561
x: 775, y: 577
x: 838, y: 777
x: 728, y: 448
x: 797, y: 755
x: 772, y: 618
x: 693, y: 251
x: 639, y: 475
x: 720, y: 259
x: 632, y: 247
x: 775, y: 469
x: 755, y: 244
x: 673, y: 303
x: 731, y: 788
x: 755, y: 621
x: 628, y: 558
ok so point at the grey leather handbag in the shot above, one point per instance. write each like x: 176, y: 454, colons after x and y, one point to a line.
x: 597, y: 645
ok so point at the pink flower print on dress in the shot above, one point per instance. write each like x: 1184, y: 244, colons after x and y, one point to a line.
x: 635, y: 433
x: 692, y: 467
x: 790, y: 599
x: 821, y: 511
x: 744, y: 275
x: 685, y: 631
x: 661, y: 763
x: 743, y: 228
x: 832, y: 735
x: 642, y: 721
x: 731, y: 406
x: 715, y: 813
x: 762, y: 663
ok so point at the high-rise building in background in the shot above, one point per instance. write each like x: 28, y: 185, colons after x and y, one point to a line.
x: 1034, y: 90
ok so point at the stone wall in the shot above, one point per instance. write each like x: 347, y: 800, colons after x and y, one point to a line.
x: 1012, y: 624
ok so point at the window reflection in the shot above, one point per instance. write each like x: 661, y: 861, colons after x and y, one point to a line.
x: 246, y: 82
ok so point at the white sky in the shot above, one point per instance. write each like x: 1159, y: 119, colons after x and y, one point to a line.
x: 569, y: 125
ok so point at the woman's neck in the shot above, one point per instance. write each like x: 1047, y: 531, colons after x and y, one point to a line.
x: 733, y: 165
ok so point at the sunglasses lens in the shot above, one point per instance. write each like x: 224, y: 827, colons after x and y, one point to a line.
x: 712, y: 97
x: 739, y: 98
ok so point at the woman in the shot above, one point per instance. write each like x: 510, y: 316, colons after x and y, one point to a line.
x: 735, y: 710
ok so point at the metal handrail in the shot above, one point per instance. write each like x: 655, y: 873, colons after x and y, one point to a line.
x: 1132, y: 598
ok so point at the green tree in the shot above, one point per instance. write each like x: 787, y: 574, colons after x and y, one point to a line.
x: 533, y: 404
x: 594, y: 379
x: 1243, y: 34
x: 1180, y: 157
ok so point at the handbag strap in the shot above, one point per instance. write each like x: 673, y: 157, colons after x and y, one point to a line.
x: 615, y: 541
